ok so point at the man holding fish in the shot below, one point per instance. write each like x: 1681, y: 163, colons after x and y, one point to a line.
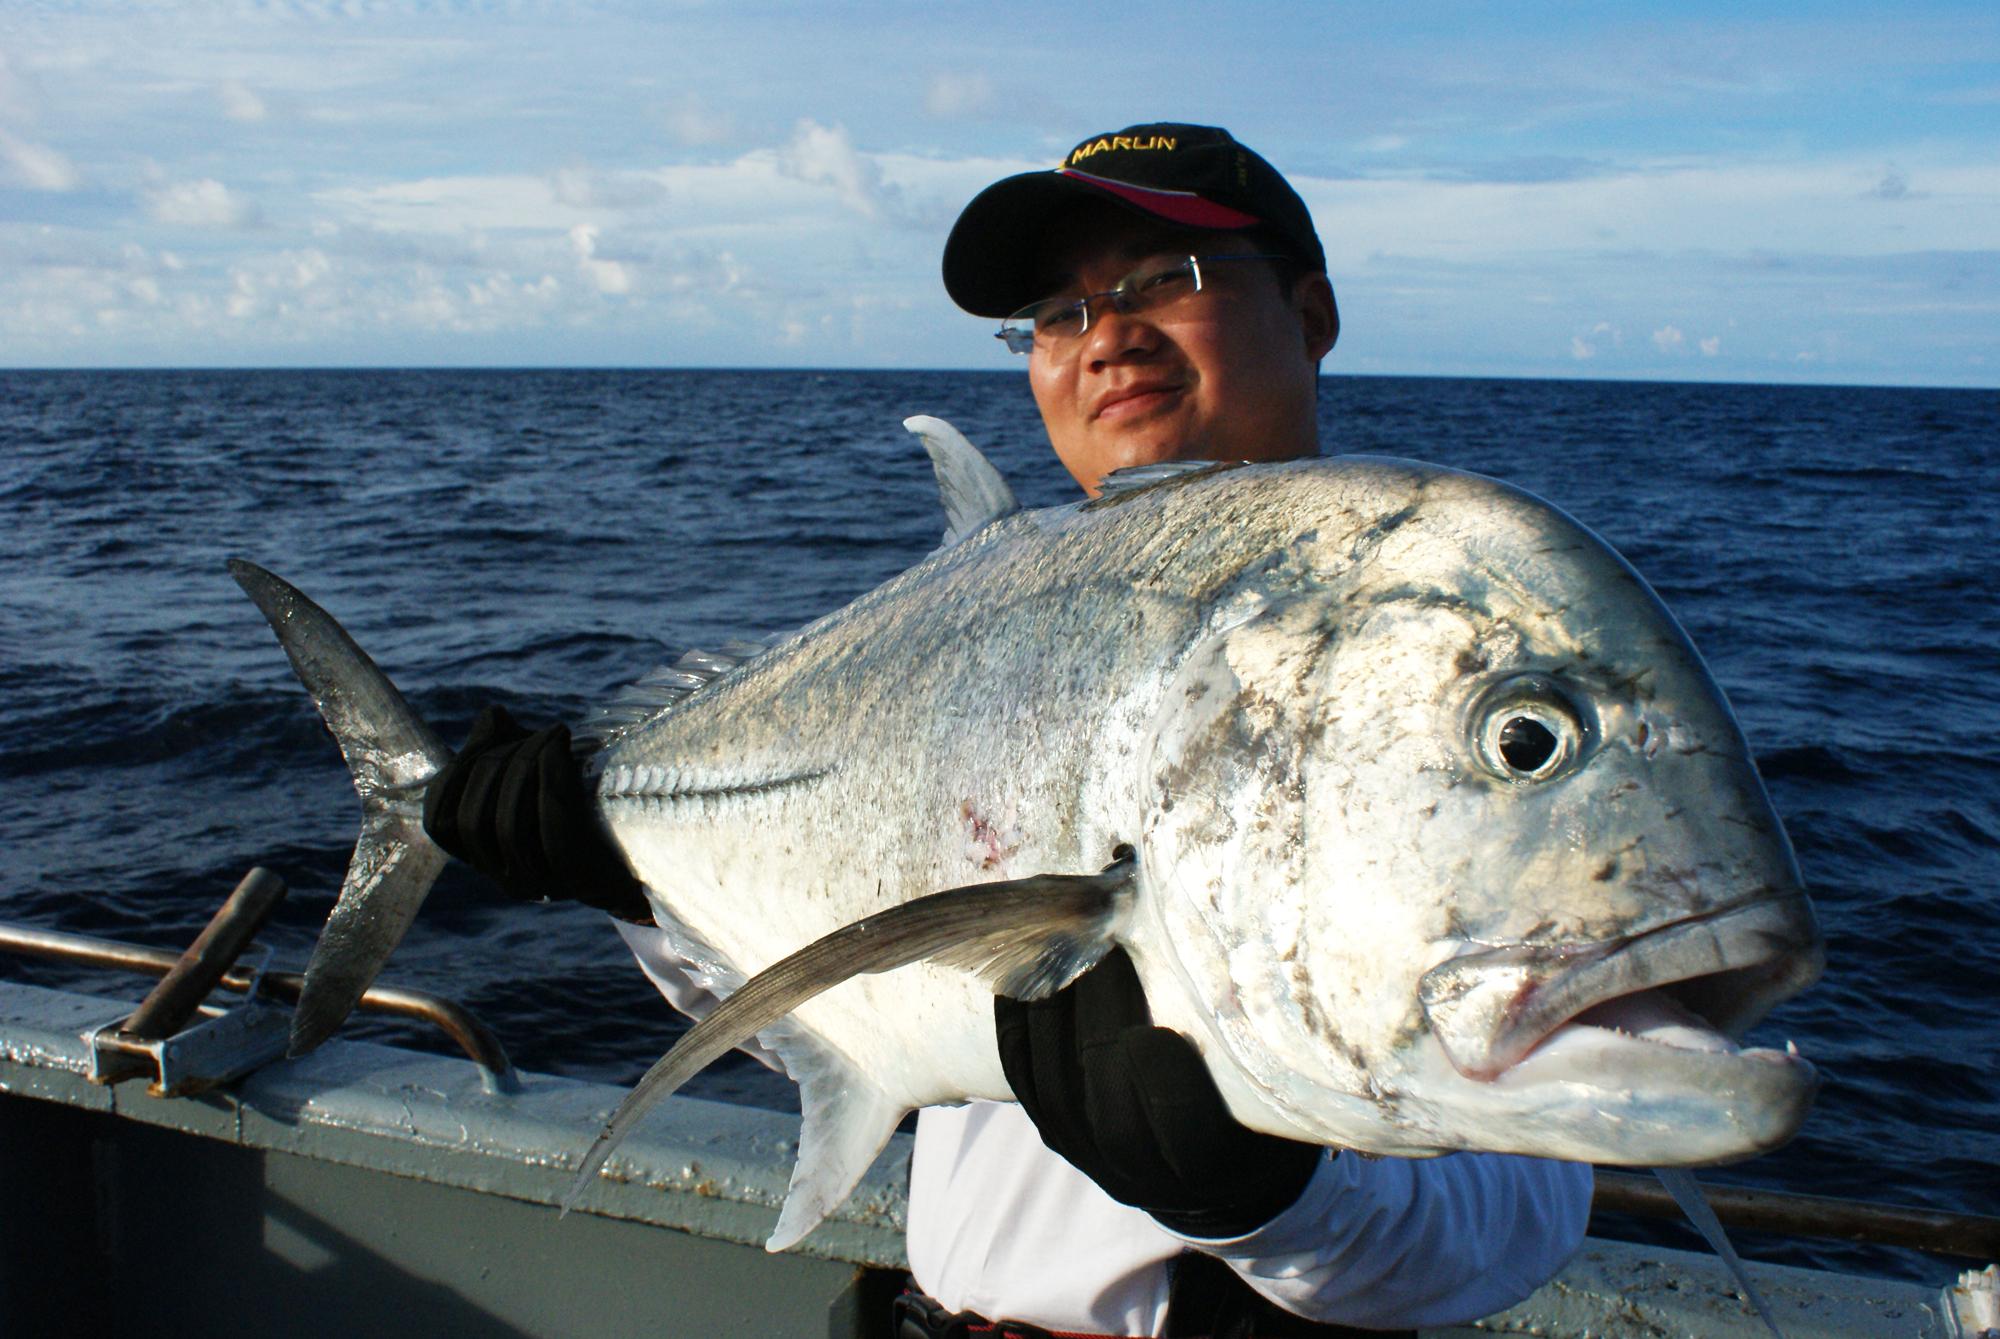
x: 1170, y: 293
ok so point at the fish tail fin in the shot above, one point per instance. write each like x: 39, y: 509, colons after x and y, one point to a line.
x: 391, y: 754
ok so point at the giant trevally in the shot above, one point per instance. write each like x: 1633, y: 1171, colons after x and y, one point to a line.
x: 1414, y: 807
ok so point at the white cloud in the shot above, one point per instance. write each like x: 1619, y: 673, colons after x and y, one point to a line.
x: 692, y: 123
x: 36, y: 166
x: 826, y: 156
x: 1894, y: 185
x: 586, y: 187
x: 18, y: 97
x: 952, y: 95
x: 1668, y: 338
x: 1711, y: 346
x: 608, y: 276
x: 239, y: 103
x: 197, y: 204
x: 1583, y: 349
x: 1659, y: 208
x: 284, y: 285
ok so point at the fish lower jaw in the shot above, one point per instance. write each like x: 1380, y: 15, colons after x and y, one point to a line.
x: 1665, y: 1095
x: 1670, y: 1062
x: 1640, y: 1029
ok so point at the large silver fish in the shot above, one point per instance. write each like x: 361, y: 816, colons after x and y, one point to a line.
x: 1414, y: 807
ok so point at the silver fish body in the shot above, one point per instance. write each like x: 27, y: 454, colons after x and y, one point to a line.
x: 1445, y: 838
x: 1285, y: 687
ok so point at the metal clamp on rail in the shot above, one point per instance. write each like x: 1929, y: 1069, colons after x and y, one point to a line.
x: 162, y: 1042
x: 154, y: 1041
x: 223, y: 1044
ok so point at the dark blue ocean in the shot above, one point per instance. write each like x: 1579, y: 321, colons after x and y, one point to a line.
x: 538, y: 538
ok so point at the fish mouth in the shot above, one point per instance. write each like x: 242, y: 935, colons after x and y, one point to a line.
x: 1689, y: 986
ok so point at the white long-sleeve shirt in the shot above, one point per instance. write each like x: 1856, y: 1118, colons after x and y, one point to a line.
x: 1001, y: 1226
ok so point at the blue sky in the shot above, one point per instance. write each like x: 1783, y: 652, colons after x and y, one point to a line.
x: 1699, y: 191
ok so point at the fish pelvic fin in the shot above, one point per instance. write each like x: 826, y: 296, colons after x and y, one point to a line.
x: 391, y: 755
x: 973, y: 491
x: 1029, y: 937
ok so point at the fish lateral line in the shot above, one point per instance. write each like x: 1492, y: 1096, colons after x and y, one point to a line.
x: 1029, y: 937
x: 638, y: 787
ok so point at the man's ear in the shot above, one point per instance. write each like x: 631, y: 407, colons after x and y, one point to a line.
x: 1312, y: 297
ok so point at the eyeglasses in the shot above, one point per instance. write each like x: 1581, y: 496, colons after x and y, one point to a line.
x: 1150, y: 288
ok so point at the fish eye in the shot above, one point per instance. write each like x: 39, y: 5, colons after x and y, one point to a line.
x: 1528, y: 730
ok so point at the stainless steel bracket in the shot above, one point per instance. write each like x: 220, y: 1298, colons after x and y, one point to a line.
x: 219, y: 1045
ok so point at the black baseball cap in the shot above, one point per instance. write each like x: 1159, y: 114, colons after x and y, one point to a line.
x: 1189, y: 176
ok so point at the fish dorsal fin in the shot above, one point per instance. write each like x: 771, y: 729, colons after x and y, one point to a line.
x: 1030, y: 937
x: 1133, y: 478
x: 972, y: 490
x: 669, y: 686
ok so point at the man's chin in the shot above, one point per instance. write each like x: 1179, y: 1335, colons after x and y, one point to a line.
x: 1145, y: 444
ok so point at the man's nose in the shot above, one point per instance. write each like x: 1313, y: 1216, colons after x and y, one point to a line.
x: 1115, y: 336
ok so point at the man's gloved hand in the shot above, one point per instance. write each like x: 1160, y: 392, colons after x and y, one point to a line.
x: 1132, y: 1107
x: 512, y: 805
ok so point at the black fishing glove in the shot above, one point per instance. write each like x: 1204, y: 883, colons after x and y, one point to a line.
x: 512, y: 805
x: 1132, y: 1107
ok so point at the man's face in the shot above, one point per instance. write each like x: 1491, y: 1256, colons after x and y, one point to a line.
x: 1229, y: 373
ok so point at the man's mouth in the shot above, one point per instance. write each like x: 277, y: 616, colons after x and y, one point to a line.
x: 1135, y: 400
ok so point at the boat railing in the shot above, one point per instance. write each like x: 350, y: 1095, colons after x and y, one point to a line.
x: 187, y: 979
x: 210, y: 962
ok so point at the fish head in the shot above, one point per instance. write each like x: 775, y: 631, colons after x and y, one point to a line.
x: 1460, y: 845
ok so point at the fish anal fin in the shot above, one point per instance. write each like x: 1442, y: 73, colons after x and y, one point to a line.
x: 845, y: 1120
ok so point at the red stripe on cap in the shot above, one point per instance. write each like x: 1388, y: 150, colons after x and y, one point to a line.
x: 1174, y: 206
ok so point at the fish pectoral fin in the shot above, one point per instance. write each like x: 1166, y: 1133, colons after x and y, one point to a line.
x: 1033, y: 955
x: 1030, y: 937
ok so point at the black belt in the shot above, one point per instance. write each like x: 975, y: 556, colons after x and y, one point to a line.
x: 1205, y: 1300
x: 918, y: 1316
